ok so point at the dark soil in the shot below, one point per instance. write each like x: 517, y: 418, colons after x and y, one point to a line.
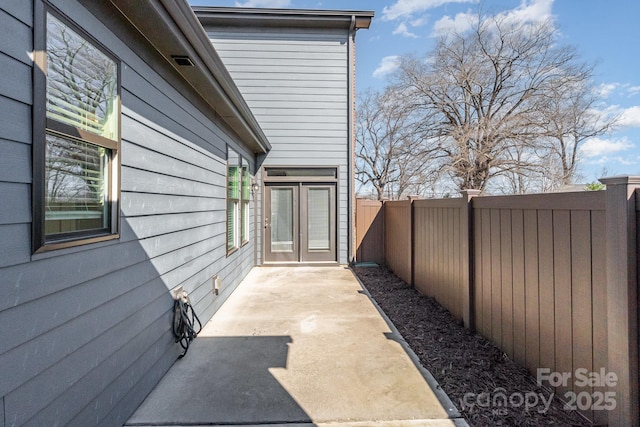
x: 473, y: 372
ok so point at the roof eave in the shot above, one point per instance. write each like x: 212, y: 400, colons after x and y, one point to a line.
x: 278, y: 17
x: 178, y: 32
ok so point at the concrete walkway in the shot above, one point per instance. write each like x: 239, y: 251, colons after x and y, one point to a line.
x: 298, y: 346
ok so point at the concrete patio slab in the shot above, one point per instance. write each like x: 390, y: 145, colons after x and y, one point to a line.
x: 298, y: 346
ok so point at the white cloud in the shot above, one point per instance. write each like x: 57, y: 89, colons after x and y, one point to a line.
x: 404, y: 31
x: 630, y: 117
x: 264, y: 3
x: 625, y: 89
x: 405, y: 8
x: 605, y: 89
x: 633, y: 90
x: 418, y: 22
x: 460, y: 24
x: 596, y: 147
x: 528, y: 11
x: 608, y: 161
x: 387, y: 65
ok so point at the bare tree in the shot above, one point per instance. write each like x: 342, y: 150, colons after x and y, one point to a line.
x: 484, y: 93
x: 572, y: 117
x: 418, y: 170
x: 392, y: 156
x: 377, y: 135
x: 386, y: 136
x: 532, y: 171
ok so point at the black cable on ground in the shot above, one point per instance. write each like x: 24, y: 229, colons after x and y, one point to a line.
x: 184, y: 322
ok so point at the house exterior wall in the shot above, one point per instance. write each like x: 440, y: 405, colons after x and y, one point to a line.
x: 86, y: 331
x: 296, y: 81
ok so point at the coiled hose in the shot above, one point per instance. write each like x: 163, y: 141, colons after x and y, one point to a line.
x: 184, y: 323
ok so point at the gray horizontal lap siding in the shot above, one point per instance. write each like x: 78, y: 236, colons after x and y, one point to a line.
x: 296, y: 83
x: 89, y: 331
x: 15, y: 134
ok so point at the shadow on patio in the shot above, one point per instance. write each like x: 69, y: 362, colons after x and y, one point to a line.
x: 224, y: 380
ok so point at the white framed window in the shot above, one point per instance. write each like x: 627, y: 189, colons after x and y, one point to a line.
x: 76, y: 136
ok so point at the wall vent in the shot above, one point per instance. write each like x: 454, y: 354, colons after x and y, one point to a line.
x: 182, y: 60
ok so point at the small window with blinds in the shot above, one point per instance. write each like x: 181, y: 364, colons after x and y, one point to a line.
x: 234, y: 173
x: 238, y: 198
x: 76, y: 201
x: 245, y: 197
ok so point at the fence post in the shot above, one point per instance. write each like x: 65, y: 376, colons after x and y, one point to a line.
x: 412, y: 239
x: 466, y: 241
x: 622, y: 296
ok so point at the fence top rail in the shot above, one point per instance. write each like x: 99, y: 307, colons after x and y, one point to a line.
x: 397, y: 203
x: 457, y: 202
x: 583, y: 200
x: 369, y: 202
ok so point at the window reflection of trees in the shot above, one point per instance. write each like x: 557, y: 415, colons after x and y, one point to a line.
x: 75, y: 175
x: 82, y: 84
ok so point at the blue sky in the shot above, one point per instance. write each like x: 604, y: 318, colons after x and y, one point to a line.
x: 604, y: 32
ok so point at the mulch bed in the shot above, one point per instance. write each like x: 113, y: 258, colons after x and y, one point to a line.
x: 487, y: 387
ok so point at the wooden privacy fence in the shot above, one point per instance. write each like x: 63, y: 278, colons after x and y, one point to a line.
x: 369, y: 230
x: 550, y: 278
x: 440, y: 252
x: 539, y: 281
x: 397, y: 232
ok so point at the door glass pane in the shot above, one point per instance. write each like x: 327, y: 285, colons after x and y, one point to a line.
x: 318, y: 221
x: 281, y: 220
